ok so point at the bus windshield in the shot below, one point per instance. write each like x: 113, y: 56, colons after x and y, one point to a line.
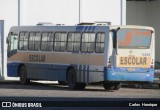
x: 134, y: 38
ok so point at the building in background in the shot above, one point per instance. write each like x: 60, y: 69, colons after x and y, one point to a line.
x: 145, y: 12
x: 68, y: 12
x: 72, y: 12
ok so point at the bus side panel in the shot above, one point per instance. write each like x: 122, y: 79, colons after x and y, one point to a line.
x: 12, y: 69
x: 60, y: 70
x: 90, y: 73
x: 82, y: 73
x: 96, y: 73
x: 52, y: 72
x: 37, y: 71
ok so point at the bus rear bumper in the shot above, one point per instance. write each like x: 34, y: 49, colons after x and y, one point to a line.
x: 111, y: 75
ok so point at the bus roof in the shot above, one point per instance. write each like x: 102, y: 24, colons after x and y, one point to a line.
x: 131, y: 26
x: 78, y: 28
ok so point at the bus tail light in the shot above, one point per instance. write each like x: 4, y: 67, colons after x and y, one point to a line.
x: 109, y: 63
x: 151, y: 66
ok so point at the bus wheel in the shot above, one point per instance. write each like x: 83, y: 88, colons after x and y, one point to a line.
x: 71, y: 79
x: 108, y: 86
x: 62, y: 82
x: 117, y: 86
x: 23, y: 75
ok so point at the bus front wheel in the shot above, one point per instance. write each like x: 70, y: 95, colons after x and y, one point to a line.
x: 72, y: 82
x: 23, y: 75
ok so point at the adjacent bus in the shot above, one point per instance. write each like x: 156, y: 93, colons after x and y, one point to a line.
x: 82, y: 54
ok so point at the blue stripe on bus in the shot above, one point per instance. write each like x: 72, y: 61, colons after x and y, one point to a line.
x: 12, y: 69
x: 49, y: 71
x: 111, y: 75
x: 85, y: 28
x: 79, y: 28
x: 87, y: 73
x: 93, y: 28
x: 89, y: 28
x: 84, y: 71
x: 55, y: 70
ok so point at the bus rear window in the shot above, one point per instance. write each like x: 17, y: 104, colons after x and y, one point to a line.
x: 134, y: 38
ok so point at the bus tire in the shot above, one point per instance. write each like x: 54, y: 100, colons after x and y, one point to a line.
x: 71, y: 79
x: 117, y: 86
x: 108, y: 86
x: 23, y: 75
x: 62, y: 82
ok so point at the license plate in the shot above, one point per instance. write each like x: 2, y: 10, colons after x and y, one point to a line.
x: 131, y: 69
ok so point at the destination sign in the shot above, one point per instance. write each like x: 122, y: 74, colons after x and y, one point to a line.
x: 132, y: 61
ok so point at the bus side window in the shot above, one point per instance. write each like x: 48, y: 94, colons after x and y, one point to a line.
x: 34, y: 41
x: 13, y: 42
x: 70, y: 42
x: 47, y: 41
x: 74, y: 42
x: 23, y: 41
x: 37, y: 41
x: 88, y: 42
x: 100, y: 38
x: 77, y: 40
x: 60, y: 41
x: 63, y: 41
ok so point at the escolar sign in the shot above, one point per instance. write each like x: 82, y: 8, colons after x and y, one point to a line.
x: 132, y: 61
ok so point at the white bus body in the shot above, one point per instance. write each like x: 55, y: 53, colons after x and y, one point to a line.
x: 82, y: 54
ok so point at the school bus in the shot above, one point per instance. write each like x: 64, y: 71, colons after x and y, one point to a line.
x: 82, y: 54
